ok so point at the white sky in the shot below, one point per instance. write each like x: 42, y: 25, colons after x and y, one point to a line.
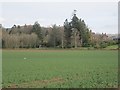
x: 99, y: 16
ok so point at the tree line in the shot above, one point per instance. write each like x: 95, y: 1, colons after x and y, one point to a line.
x: 74, y: 33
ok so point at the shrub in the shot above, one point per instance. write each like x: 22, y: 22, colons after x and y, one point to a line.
x: 103, y: 45
x: 96, y: 46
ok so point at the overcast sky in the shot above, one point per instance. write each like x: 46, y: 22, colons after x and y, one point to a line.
x: 99, y: 16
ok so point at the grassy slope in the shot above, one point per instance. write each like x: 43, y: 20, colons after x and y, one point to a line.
x: 60, y: 68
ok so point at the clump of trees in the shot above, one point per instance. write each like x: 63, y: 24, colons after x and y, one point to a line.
x: 19, y: 40
x: 74, y: 33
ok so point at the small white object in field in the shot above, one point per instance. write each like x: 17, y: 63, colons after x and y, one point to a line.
x: 25, y: 58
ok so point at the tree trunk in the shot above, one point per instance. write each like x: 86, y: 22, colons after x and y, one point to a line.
x: 75, y: 42
x: 62, y: 42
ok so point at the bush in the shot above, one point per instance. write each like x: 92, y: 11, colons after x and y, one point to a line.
x: 96, y: 46
x: 112, y: 42
x: 103, y: 45
x: 86, y: 45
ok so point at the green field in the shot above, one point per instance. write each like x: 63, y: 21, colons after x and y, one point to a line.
x: 60, y: 68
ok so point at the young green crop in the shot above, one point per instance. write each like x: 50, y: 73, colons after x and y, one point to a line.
x: 60, y: 68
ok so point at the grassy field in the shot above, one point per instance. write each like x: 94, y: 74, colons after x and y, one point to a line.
x: 60, y: 68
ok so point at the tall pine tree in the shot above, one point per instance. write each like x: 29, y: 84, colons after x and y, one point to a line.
x: 68, y: 33
x: 37, y: 30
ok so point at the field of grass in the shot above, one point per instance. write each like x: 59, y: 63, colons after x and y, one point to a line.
x: 60, y: 68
